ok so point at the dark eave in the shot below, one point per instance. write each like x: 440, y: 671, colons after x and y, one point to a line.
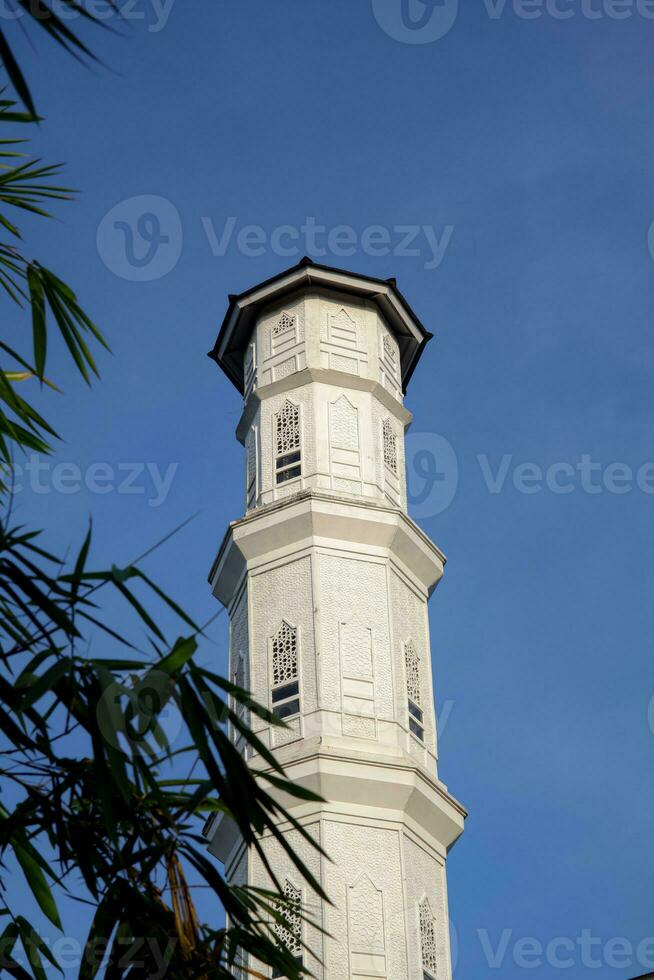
x: 243, y: 310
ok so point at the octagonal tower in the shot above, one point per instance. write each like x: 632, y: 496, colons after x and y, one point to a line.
x: 326, y: 580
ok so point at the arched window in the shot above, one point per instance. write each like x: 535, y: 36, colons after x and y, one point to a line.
x: 288, y: 464
x: 285, y: 694
x: 413, y: 690
x: 428, y: 941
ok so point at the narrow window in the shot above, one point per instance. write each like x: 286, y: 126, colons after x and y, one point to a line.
x: 238, y: 679
x: 414, y: 695
x: 251, y: 468
x: 289, y: 931
x: 428, y: 941
x: 285, y: 694
x: 390, y: 446
x: 249, y: 370
x: 288, y: 463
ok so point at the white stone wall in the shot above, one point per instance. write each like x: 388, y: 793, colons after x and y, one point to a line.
x: 410, y: 620
x: 283, y: 592
x: 425, y: 879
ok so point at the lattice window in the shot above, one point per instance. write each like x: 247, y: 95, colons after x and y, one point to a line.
x: 288, y: 428
x: 413, y: 690
x: 285, y: 694
x: 428, y: 941
x: 287, y: 443
x: 390, y: 445
x: 284, y: 646
x: 285, y: 323
x: 290, y: 934
x: 251, y: 467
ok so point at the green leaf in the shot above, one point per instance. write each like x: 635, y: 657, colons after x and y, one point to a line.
x: 38, y: 885
x: 43, y: 684
x: 37, y: 299
x: 8, y: 940
x: 180, y: 654
x: 16, y: 75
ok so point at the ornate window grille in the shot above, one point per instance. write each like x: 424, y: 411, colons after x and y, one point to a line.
x: 285, y: 323
x: 428, y: 941
x: 285, y: 694
x: 389, y: 440
x: 289, y: 932
x: 413, y: 689
x: 288, y: 461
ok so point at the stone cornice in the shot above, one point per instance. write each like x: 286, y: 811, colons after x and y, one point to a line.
x: 323, y: 518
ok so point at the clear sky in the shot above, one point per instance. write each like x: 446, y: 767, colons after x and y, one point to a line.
x: 516, y: 150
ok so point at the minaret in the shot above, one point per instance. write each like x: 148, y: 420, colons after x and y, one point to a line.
x: 326, y: 580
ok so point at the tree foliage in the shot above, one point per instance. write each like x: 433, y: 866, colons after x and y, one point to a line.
x: 98, y: 803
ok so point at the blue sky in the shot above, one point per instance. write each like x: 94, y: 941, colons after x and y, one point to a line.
x: 524, y: 147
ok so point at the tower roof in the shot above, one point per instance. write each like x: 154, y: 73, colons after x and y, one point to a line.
x: 243, y: 309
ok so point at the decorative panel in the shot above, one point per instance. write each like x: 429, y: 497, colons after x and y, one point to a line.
x: 377, y: 941
x: 366, y: 917
x: 354, y: 631
x: 343, y: 329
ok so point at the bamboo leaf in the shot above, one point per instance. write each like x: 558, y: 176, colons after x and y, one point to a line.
x: 38, y: 884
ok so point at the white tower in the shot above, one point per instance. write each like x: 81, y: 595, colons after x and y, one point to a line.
x: 326, y: 580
